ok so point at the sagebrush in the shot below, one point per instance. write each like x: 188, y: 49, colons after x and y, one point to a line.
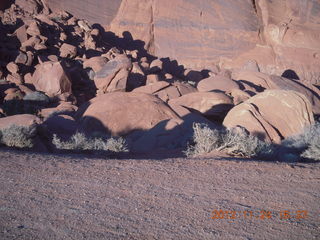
x: 235, y: 142
x: 18, y: 136
x: 306, y: 144
x: 80, y: 142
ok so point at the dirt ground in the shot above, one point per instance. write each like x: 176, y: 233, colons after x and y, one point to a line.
x: 45, y: 196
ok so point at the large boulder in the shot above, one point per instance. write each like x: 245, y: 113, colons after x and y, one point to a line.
x: 210, y: 104
x: 113, y: 76
x: 121, y: 113
x: 51, y: 78
x: 217, y: 83
x: 272, y: 115
x: 264, y: 81
x: 24, y: 120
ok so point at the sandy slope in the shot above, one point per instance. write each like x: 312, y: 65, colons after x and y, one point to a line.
x: 76, y: 197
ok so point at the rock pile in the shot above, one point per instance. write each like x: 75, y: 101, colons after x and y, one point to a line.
x: 63, y: 71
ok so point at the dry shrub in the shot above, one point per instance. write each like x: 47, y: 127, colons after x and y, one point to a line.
x: 307, y: 144
x: 18, y: 136
x: 235, y: 142
x: 79, y: 142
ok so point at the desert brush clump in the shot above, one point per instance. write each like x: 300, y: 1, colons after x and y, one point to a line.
x: 306, y: 144
x: 18, y: 136
x: 235, y: 142
x: 80, y: 142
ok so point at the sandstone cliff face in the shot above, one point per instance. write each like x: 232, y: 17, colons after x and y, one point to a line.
x: 279, y: 35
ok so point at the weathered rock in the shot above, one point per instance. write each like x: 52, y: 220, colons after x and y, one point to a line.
x: 51, y: 78
x: 272, y: 115
x: 152, y: 78
x: 30, y: 6
x: 62, y: 125
x: 33, y: 29
x: 19, y: 120
x: 65, y: 108
x: 155, y: 66
x: 239, y: 96
x: 217, y: 83
x: 136, y: 77
x: 22, y: 58
x: 21, y: 33
x: 68, y: 51
x: 113, y: 75
x: 278, y: 35
x: 211, y: 104
x: 152, y: 88
x: 96, y: 63
x: 264, y: 81
x: 121, y: 113
x: 15, y: 78
x: 12, y: 67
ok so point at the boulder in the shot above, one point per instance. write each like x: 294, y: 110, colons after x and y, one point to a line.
x: 113, y: 76
x: 19, y: 120
x: 121, y: 113
x: 217, y: 83
x: 95, y: 63
x: 50, y: 77
x: 62, y: 125
x: 264, y: 81
x: 68, y: 51
x: 272, y: 115
x: 210, y: 104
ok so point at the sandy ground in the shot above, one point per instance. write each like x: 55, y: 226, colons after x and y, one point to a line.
x: 80, y: 197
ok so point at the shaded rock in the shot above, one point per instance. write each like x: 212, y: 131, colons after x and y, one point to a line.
x: 15, y: 78
x: 65, y: 108
x: 68, y: 51
x: 136, y: 77
x: 113, y: 75
x: 156, y: 66
x: 22, y: 58
x: 51, y: 78
x: 272, y: 115
x: 62, y: 125
x: 121, y: 113
x: 96, y: 63
x: 152, y: 88
x: 264, y: 81
x: 239, y: 96
x: 217, y: 83
x: 210, y: 104
x: 152, y: 78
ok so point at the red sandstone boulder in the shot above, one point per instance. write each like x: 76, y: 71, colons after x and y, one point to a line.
x: 211, y: 104
x: 121, y: 113
x: 19, y: 120
x: 216, y: 83
x: 68, y: 51
x: 272, y: 115
x: 51, y: 78
x: 113, y: 76
x: 96, y: 63
x: 264, y: 81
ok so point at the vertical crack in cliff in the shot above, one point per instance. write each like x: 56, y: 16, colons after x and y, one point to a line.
x: 151, y: 44
x: 254, y: 6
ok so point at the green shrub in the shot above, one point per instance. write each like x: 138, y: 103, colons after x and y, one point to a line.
x: 79, y: 142
x: 18, y: 136
x: 235, y: 142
